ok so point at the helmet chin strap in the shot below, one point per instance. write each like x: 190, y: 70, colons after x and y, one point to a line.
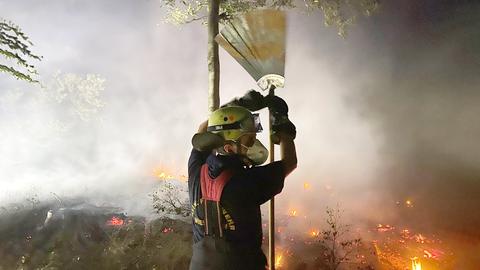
x: 242, y: 145
x: 237, y: 144
x: 244, y: 157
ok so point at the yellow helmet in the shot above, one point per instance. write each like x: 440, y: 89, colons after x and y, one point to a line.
x: 226, y: 124
x: 233, y: 122
x: 229, y: 124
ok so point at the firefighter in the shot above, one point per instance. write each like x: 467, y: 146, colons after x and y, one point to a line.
x: 227, y: 185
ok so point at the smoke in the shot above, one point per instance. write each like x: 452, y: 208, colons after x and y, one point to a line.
x: 389, y: 115
x: 426, y: 109
x: 385, y: 115
x: 151, y: 103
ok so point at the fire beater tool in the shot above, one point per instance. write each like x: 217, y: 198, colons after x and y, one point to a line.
x: 256, y: 40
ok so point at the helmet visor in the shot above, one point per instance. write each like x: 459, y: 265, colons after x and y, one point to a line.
x: 247, y: 126
x: 256, y: 122
x: 250, y: 126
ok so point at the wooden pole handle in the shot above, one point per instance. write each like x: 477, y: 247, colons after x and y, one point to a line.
x: 271, y: 230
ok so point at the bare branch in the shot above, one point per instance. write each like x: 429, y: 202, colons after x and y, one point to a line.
x: 340, y: 248
x: 167, y: 200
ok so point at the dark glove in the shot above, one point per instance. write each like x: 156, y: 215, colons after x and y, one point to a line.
x: 252, y: 101
x: 276, y: 105
x: 281, y: 124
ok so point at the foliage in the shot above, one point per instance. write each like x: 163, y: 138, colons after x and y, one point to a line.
x: 65, y: 101
x: 167, y: 200
x: 341, y: 13
x: 81, y: 94
x: 15, y: 46
x: 337, y: 13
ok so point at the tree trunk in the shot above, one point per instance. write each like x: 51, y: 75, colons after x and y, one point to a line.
x: 213, y: 61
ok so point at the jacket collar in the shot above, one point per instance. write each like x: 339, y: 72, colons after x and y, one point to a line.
x: 218, y: 163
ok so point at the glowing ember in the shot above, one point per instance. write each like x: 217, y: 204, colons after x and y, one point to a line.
x: 278, y: 260
x: 314, y: 233
x: 293, y: 213
x: 409, y: 203
x: 433, y: 254
x: 167, y: 230
x: 384, y: 228
x: 416, y: 265
x: 420, y: 238
x: 306, y: 185
x: 164, y: 176
x: 115, y: 221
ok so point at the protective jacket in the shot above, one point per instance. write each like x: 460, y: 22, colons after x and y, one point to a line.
x: 231, y: 238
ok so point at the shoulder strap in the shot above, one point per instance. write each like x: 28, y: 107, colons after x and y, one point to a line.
x: 212, y: 189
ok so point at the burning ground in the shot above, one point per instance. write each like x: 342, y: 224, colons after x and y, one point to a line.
x: 78, y: 235
x: 75, y: 234
x: 333, y: 244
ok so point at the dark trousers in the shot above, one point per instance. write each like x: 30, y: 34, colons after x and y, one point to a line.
x: 217, y: 254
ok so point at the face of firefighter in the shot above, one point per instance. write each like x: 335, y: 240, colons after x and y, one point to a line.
x: 241, y: 147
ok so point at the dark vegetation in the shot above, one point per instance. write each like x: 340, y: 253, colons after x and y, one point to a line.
x: 78, y: 235
x: 84, y: 236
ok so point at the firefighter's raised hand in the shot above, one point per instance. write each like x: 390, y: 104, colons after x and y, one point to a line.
x: 282, y: 127
x: 276, y: 105
x: 252, y: 101
x: 285, y: 135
